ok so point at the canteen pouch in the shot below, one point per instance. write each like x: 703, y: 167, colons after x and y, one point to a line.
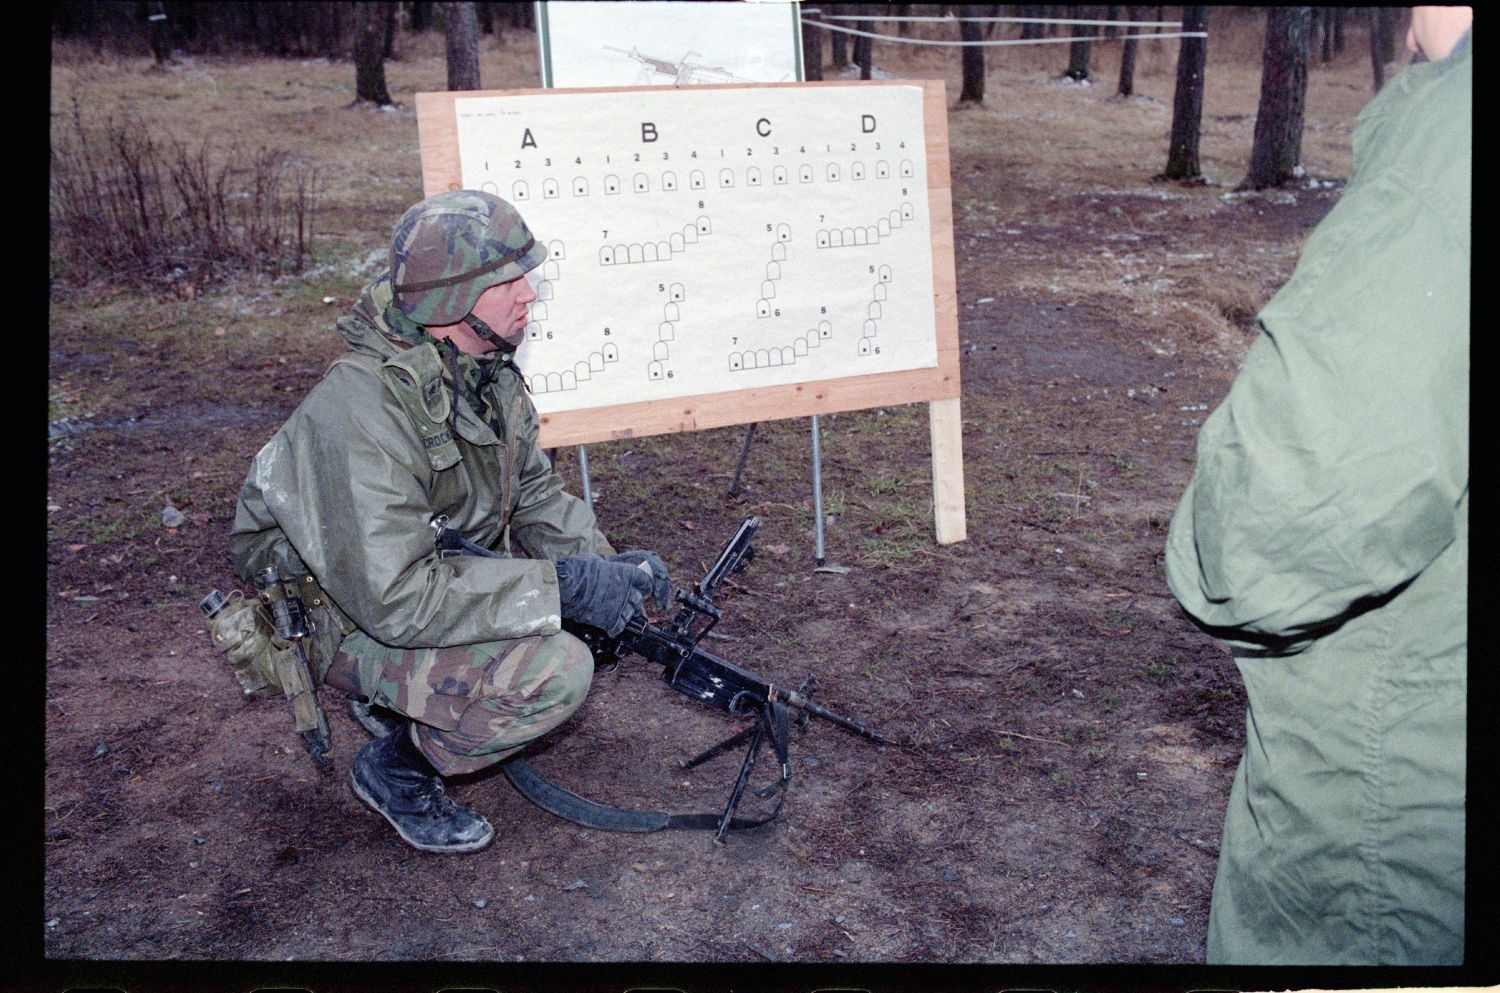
x: 243, y: 632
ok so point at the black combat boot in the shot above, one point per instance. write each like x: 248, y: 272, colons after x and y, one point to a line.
x: 400, y: 784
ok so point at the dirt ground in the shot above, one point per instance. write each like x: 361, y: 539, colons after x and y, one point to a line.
x: 1064, y: 738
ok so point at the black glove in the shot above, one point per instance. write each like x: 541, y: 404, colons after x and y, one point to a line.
x: 661, y: 590
x: 601, y: 593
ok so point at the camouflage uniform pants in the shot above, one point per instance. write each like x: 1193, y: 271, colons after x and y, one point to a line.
x: 472, y: 705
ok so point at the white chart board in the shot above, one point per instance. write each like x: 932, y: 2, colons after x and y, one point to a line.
x: 667, y: 43
x: 713, y: 241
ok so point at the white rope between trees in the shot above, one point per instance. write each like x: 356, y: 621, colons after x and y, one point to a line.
x: 950, y: 19
x: 893, y: 39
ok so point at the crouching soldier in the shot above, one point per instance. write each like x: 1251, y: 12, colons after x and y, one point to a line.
x: 423, y: 417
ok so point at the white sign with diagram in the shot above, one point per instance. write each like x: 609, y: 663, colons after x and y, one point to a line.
x: 703, y: 242
x: 667, y: 43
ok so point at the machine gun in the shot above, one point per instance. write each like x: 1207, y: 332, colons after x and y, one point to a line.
x: 710, y: 680
x: 699, y: 674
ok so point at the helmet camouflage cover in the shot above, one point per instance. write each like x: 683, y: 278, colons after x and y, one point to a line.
x: 451, y: 247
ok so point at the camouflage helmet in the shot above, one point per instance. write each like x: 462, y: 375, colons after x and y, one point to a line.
x: 450, y: 248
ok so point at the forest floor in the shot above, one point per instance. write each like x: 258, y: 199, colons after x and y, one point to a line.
x: 1064, y: 738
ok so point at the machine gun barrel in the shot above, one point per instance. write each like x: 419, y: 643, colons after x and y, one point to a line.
x: 794, y: 699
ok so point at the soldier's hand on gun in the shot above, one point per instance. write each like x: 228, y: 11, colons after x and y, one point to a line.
x: 602, y: 593
x: 662, y: 588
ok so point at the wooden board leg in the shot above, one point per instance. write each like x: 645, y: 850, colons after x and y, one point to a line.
x: 947, y: 470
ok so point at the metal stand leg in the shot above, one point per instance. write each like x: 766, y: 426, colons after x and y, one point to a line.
x: 817, y: 457
x: 583, y: 470
x: 734, y: 487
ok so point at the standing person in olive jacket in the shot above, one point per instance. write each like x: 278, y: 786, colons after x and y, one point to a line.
x: 425, y: 416
x: 1325, y: 536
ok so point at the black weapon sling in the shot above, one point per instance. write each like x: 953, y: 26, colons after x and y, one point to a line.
x: 570, y: 806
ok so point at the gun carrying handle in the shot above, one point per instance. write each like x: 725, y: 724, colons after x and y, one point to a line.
x: 734, y: 555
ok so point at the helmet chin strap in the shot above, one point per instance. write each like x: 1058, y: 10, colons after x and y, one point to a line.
x: 488, y: 334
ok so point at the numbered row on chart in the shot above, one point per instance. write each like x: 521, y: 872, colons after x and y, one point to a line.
x: 701, y: 179
x: 865, y: 234
x: 767, y: 358
x: 582, y: 371
x: 655, y: 251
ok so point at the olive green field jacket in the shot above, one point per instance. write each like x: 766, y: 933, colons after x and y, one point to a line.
x: 1324, y: 536
x: 348, y: 485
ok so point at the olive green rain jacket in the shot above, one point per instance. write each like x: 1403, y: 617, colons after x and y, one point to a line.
x: 1325, y: 537
x: 347, y: 487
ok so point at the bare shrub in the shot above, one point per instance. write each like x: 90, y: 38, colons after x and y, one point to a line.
x: 153, y: 212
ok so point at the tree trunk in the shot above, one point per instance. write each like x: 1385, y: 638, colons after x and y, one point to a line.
x: 461, y: 31
x: 1078, y: 60
x: 388, y: 50
x: 1283, y: 92
x: 1030, y: 30
x: 485, y: 10
x: 369, y: 50
x: 1325, y: 27
x: 864, y: 47
x: 1390, y: 17
x: 812, y: 45
x: 421, y: 16
x: 839, y: 42
x: 1127, y: 55
x: 968, y: 30
x: 1382, y: 42
x: 1187, y: 102
x: 1377, y: 66
x: 1338, y: 31
x: 158, y: 33
x: 1079, y: 51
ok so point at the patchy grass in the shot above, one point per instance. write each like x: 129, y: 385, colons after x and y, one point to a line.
x: 109, y: 523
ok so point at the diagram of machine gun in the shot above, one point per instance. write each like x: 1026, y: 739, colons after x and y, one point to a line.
x: 657, y: 70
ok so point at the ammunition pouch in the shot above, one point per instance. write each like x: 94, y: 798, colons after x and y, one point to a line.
x: 303, y: 697
x: 330, y: 625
